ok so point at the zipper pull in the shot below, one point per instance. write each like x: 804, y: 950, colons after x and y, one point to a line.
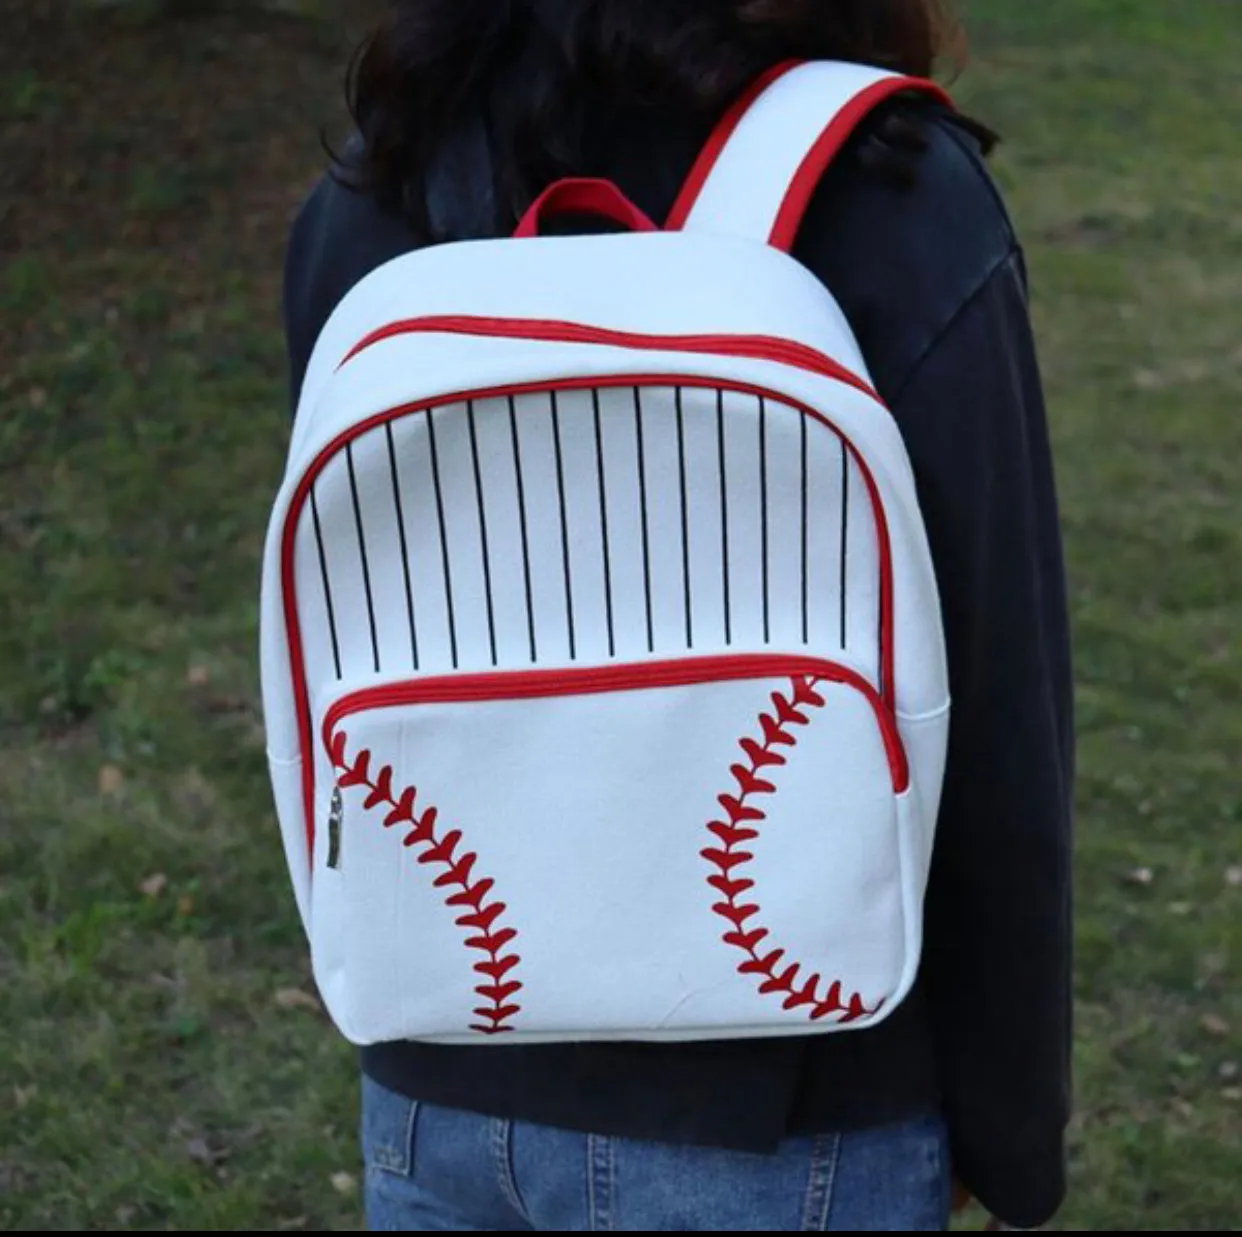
x: 335, y: 820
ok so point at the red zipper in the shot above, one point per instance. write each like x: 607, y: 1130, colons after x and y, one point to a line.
x: 536, y: 684
x: 755, y: 347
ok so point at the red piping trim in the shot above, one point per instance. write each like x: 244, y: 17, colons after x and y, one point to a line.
x: 811, y: 172
x: 293, y: 627
x: 757, y: 347
x: 710, y: 154
x: 637, y: 676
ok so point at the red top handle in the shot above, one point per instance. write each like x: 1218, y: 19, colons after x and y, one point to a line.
x: 600, y: 198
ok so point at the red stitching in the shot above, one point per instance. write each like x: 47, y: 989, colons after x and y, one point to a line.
x: 777, y: 975
x: 472, y: 895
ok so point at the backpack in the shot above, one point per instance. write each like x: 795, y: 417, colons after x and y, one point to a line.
x: 602, y: 660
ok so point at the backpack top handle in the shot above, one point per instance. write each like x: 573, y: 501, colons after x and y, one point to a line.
x: 600, y: 199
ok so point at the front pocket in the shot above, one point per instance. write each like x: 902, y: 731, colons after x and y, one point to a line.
x: 705, y: 847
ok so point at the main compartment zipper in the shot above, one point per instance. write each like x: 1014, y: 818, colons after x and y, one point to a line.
x: 753, y: 347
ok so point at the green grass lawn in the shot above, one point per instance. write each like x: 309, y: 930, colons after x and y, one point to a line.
x: 161, y: 1064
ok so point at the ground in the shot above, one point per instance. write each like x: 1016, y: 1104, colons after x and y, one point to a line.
x: 162, y: 1063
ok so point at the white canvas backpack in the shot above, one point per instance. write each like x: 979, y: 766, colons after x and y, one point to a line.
x: 602, y: 657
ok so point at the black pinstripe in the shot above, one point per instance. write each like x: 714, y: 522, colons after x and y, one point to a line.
x: 521, y: 497
x: 444, y: 550
x: 560, y: 491
x: 685, y: 517
x: 405, y: 550
x: 362, y: 554
x: 327, y: 586
x: 603, y: 522
x: 724, y: 517
x: 845, y: 531
x: 642, y: 501
x: 487, y: 555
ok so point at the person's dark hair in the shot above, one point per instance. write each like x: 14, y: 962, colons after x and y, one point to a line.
x: 533, y: 74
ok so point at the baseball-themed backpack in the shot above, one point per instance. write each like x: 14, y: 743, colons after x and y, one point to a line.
x: 602, y: 658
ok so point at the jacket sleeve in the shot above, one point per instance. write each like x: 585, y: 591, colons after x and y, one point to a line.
x: 338, y: 237
x: 997, y: 964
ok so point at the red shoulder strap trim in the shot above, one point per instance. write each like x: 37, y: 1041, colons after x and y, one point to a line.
x: 819, y: 159
x: 706, y: 162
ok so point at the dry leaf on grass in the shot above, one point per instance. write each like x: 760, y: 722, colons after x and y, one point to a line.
x: 295, y: 998
x: 227, y: 705
x: 111, y: 780
x: 211, y: 1152
x: 154, y: 885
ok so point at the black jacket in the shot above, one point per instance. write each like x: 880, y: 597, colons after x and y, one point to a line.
x: 931, y: 277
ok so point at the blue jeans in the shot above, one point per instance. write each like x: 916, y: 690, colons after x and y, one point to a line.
x: 433, y: 1169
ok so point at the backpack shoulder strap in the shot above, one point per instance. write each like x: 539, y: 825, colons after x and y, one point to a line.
x: 757, y: 174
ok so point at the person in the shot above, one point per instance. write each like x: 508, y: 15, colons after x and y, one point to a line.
x: 465, y: 111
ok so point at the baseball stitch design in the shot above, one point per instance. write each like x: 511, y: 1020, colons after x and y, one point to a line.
x: 472, y: 893
x: 741, y: 827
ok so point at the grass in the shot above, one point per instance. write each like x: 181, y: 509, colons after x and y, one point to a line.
x: 160, y: 1065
